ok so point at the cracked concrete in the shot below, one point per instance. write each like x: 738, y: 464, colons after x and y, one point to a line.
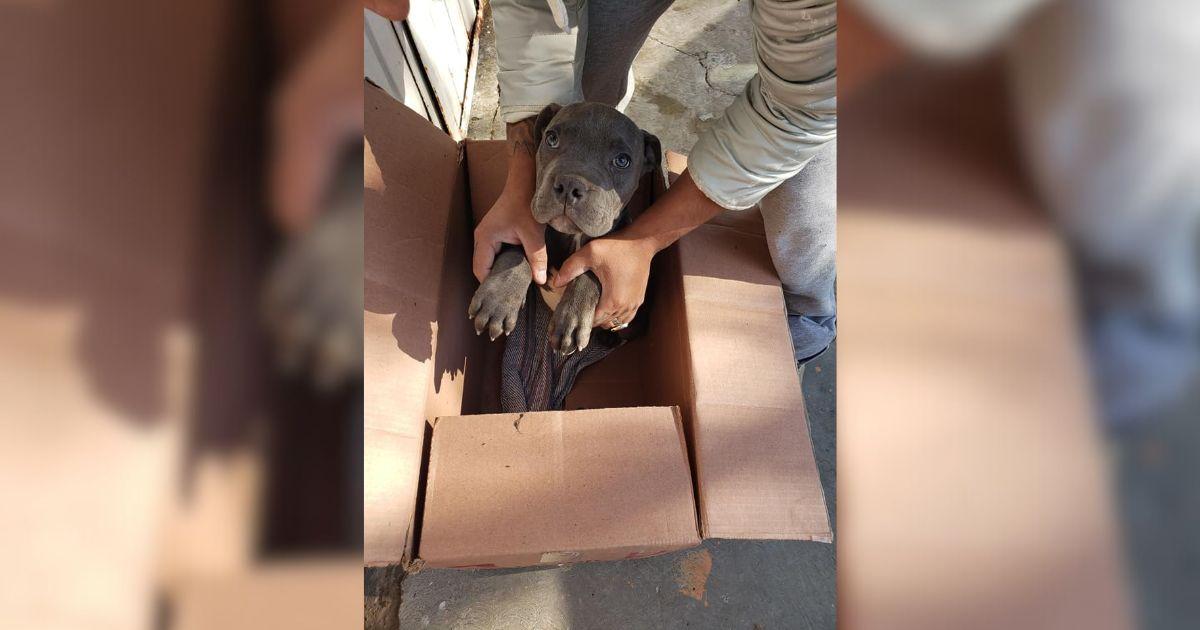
x: 715, y: 62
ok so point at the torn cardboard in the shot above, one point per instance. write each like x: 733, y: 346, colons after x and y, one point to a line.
x: 718, y: 350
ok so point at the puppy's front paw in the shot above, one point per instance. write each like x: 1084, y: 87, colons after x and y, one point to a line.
x: 571, y: 327
x: 495, y: 308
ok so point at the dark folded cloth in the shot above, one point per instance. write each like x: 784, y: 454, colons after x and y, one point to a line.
x: 533, y: 376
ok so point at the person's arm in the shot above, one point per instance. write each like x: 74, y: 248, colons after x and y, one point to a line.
x: 315, y: 110
x: 787, y: 112
x: 785, y: 115
x: 535, y: 57
x: 510, y: 219
x: 621, y: 261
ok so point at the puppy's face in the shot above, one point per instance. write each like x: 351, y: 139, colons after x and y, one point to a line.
x: 589, y: 162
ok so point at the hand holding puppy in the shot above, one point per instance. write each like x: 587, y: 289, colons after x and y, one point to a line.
x: 622, y: 265
x: 510, y: 219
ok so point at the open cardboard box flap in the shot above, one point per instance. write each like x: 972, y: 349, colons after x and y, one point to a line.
x: 718, y: 349
x: 553, y: 487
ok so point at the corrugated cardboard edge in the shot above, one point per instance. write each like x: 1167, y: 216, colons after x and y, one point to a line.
x: 685, y: 450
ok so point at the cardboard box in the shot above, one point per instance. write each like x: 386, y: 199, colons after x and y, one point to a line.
x: 696, y: 430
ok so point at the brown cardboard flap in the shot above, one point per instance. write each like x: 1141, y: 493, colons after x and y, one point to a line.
x: 755, y: 471
x: 757, y: 477
x: 557, y: 487
x: 407, y: 225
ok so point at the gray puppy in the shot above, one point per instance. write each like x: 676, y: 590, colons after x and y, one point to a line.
x: 590, y: 160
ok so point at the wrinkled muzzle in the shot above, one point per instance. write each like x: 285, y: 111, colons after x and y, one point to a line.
x: 572, y: 204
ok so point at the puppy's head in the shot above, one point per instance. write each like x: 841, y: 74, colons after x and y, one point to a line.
x: 589, y: 162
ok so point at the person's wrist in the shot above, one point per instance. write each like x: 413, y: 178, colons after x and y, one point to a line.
x: 646, y: 247
x: 643, y: 239
x: 521, y: 177
x: 642, y: 246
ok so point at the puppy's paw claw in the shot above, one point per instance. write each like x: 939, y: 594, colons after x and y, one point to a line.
x: 495, y: 310
x: 569, y: 332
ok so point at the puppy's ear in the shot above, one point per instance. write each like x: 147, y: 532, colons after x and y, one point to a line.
x: 653, y: 160
x: 543, y: 120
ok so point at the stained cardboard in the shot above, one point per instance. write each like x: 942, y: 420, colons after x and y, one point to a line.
x: 546, y: 488
x: 718, y: 350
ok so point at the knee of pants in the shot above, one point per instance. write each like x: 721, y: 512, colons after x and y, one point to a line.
x: 800, y: 220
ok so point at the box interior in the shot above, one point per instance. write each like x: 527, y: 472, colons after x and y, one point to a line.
x: 648, y: 371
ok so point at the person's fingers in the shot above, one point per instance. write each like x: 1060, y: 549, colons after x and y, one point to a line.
x: 535, y: 251
x: 484, y: 256
x: 300, y: 168
x: 606, y: 311
x: 573, y: 267
x: 601, y: 319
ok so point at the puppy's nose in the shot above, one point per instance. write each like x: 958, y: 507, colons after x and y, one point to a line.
x: 569, y: 189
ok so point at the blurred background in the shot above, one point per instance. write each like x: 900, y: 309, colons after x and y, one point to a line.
x: 180, y: 445
x: 180, y: 325
x: 1018, y: 423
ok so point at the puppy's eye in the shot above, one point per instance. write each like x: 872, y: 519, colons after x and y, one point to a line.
x: 622, y: 161
x: 552, y: 139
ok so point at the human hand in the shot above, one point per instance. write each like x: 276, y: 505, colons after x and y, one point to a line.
x: 510, y: 220
x: 622, y: 265
x: 316, y: 111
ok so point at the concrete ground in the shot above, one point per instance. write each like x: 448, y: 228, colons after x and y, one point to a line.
x: 697, y: 59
